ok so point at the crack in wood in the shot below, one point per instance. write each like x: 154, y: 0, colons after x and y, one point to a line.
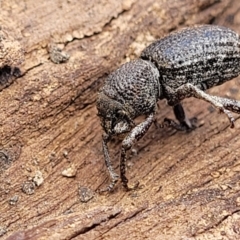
x: 95, y: 224
x: 124, y: 219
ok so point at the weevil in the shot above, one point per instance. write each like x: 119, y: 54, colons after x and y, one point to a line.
x: 182, y: 64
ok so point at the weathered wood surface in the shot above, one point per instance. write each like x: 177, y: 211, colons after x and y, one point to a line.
x: 48, y: 125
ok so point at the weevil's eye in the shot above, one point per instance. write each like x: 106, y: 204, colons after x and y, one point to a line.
x: 120, y: 114
x: 117, y: 116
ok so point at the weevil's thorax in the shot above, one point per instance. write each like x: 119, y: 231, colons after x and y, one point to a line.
x: 130, y: 91
x: 205, y: 55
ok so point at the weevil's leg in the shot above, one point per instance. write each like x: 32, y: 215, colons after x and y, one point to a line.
x: 136, y: 133
x: 113, y: 175
x: 184, y: 124
x: 189, y: 90
x: 230, y: 104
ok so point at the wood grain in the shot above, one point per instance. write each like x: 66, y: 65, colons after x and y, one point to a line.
x: 48, y: 124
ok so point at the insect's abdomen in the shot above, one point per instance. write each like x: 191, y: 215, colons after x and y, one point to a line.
x: 202, y: 55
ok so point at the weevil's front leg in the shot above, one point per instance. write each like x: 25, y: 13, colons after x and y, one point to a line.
x: 184, y: 124
x: 113, y: 175
x: 189, y: 90
x: 136, y: 133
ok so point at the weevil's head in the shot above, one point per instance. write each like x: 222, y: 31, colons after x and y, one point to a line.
x: 115, y: 118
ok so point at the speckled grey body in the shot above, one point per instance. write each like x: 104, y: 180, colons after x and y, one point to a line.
x: 183, y: 64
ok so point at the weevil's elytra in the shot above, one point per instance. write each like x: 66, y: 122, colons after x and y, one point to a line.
x: 182, y: 64
x: 204, y: 55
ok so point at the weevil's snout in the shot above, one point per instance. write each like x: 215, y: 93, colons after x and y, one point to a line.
x: 107, y: 124
x: 107, y: 111
x: 113, y: 117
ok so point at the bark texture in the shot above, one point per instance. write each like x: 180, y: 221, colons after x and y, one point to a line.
x: 51, y: 161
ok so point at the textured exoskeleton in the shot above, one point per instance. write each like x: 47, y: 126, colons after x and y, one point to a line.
x: 183, y: 64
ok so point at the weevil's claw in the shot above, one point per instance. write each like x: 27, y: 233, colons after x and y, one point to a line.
x: 111, y: 186
x: 229, y: 115
x: 194, y: 123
